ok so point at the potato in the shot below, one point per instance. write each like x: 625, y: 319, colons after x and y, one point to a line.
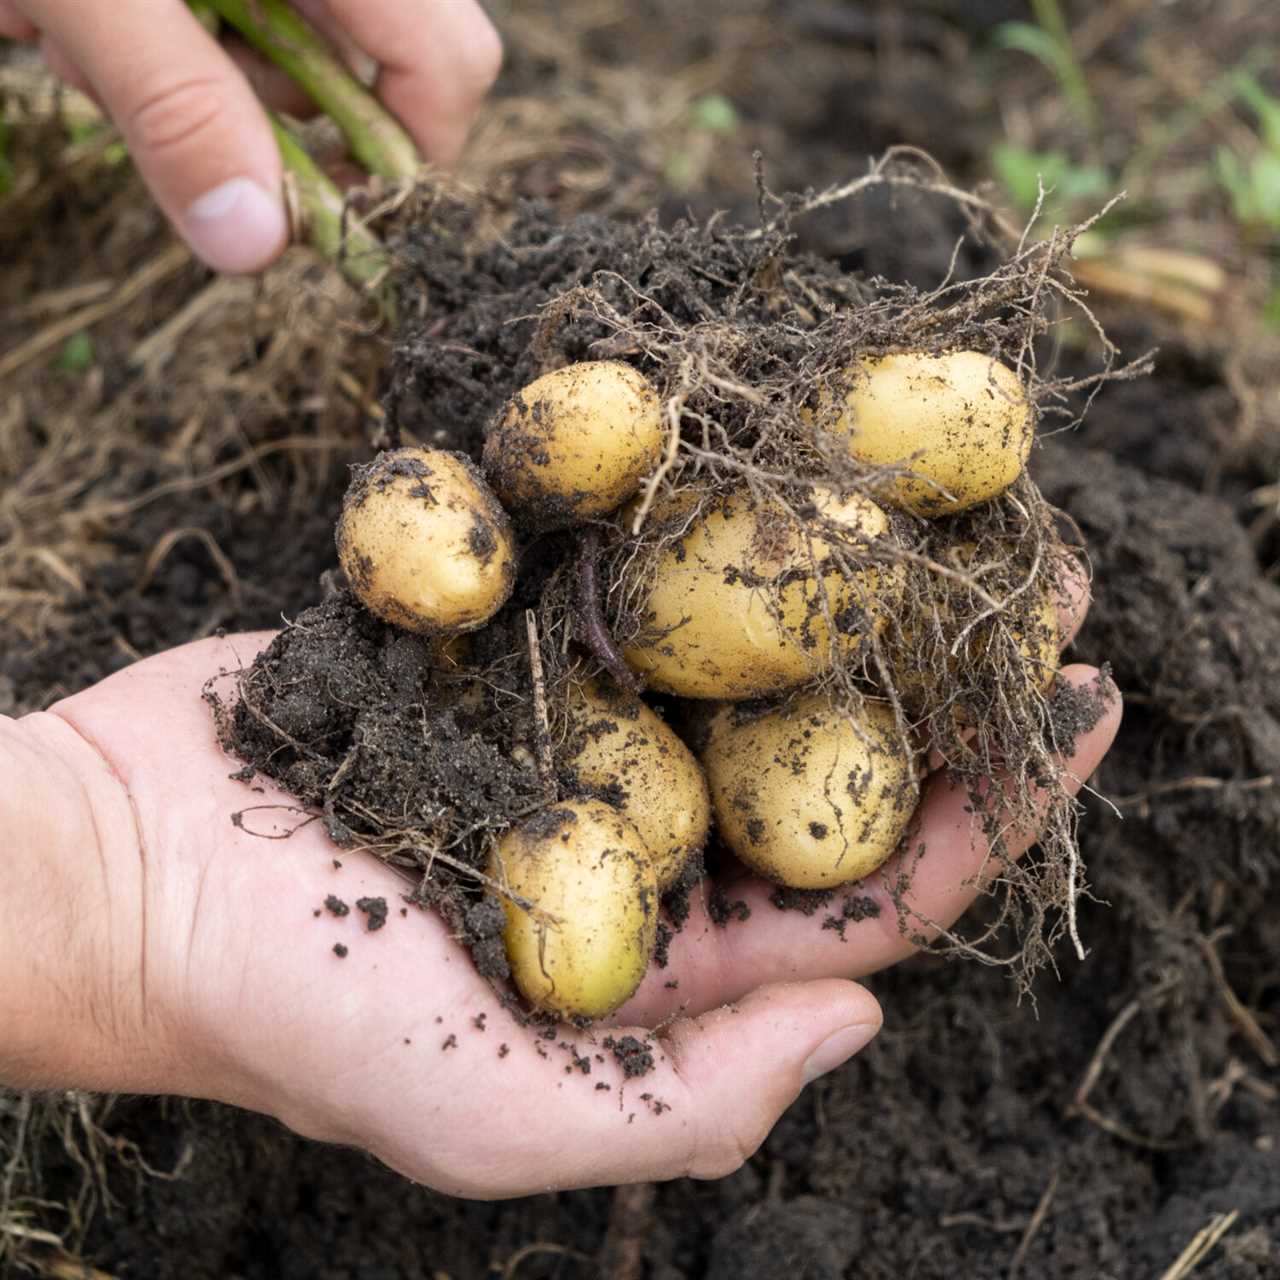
x: 734, y: 608
x: 965, y: 415
x: 1038, y: 637
x: 619, y: 743
x: 813, y: 795
x: 588, y: 873
x: 575, y: 443
x: 424, y: 543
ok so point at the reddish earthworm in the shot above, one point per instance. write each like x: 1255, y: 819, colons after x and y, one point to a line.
x: 595, y: 629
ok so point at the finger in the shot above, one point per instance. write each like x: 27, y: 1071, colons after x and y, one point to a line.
x: 14, y: 25
x: 530, y: 1121
x: 1072, y: 597
x: 277, y: 90
x: 318, y: 13
x: 64, y: 69
x: 190, y: 119
x: 438, y: 59
x: 712, y: 964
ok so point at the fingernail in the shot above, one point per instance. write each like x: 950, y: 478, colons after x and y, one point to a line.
x: 236, y: 227
x: 838, y: 1048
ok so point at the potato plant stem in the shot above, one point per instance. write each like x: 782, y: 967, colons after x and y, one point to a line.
x: 376, y: 140
x: 328, y: 224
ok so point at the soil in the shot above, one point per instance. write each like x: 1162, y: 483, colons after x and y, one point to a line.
x: 1090, y: 1132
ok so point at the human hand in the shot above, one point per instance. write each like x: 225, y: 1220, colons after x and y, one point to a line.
x: 188, y: 111
x: 148, y: 944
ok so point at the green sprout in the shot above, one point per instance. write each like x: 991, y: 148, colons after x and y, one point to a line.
x: 1048, y: 41
x: 77, y: 353
x: 1253, y: 183
x: 714, y: 113
x: 1024, y: 171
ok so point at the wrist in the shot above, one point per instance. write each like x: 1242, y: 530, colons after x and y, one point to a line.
x: 74, y: 998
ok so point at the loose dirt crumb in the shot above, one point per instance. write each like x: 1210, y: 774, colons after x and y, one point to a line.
x: 852, y: 910
x: 336, y: 906
x: 806, y: 901
x: 1076, y: 709
x: 375, y: 909
x: 635, y: 1057
x: 340, y: 950
x: 451, y: 1042
x: 721, y: 908
x: 662, y: 948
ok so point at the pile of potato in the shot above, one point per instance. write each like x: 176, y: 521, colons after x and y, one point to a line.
x: 745, y: 602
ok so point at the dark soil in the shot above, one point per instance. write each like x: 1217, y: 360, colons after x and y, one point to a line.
x: 932, y: 1154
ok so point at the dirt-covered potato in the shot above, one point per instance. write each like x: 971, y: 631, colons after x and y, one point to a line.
x: 619, y: 745
x: 587, y: 872
x: 734, y: 608
x: 424, y: 542
x: 960, y: 422
x: 1035, y: 627
x: 575, y: 443
x: 812, y: 795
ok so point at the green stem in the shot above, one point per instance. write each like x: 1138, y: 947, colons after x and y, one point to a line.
x: 329, y: 227
x: 273, y: 28
x: 1049, y: 16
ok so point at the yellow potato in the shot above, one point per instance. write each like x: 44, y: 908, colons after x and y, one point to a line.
x: 965, y: 415
x: 734, y: 609
x: 1038, y: 638
x: 813, y: 795
x: 424, y: 543
x: 575, y: 443
x: 588, y: 873
x: 620, y: 744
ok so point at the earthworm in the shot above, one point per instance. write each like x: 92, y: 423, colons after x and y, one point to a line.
x: 595, y: 629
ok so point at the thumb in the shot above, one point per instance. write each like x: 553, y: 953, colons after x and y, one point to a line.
x: 195, y: 130
x: 715, y: 1088
x: 744, y: 1064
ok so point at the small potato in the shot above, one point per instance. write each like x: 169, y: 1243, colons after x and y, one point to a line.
x: 734, y: 608
x: 1038, y: 636
x: 575, y: 443
x: 620, y: 744
x: 813, y: 795
x: 424, y: 542
x: 587, y: 872
x: 961, y: 422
